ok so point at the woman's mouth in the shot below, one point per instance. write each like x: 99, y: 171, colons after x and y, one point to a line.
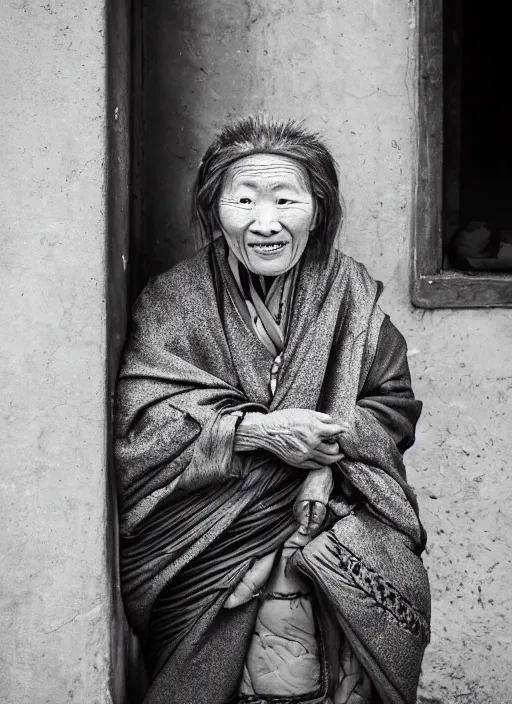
x: 268, y: 247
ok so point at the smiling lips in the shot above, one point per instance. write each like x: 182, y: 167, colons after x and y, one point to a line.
x: 267, y: 247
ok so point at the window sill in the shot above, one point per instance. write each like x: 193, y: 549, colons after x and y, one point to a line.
x: 456, y: 289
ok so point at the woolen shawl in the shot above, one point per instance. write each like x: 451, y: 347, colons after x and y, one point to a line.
x: 195, y: 514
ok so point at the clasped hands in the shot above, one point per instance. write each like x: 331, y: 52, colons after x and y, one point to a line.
x: 304, y: 439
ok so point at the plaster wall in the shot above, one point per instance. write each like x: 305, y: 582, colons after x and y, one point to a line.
x: 55, y: 601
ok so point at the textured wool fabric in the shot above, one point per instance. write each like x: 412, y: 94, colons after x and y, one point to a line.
x: 195, y: 515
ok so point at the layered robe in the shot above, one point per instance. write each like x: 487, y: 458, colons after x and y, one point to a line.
x: 195, y: 515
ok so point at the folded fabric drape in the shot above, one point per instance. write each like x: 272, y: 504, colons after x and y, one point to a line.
x: 195, y: 514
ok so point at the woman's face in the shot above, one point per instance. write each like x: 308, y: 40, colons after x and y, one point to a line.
x: 266, y: 212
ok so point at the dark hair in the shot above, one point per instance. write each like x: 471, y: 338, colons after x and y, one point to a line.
x: 261, y: 134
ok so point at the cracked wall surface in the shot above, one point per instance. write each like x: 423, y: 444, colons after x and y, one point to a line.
x: 54, y: 596
x: 351, y: 69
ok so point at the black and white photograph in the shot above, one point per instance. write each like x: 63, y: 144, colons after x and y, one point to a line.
x: 256, y: 341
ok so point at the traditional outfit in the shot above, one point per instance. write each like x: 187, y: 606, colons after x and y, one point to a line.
x: 196, y: 517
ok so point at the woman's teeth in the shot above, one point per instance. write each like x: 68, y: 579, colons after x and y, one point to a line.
x: 268, y: 247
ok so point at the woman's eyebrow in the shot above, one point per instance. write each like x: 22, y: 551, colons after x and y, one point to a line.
x: 247, y: 182
x: 288, y: 186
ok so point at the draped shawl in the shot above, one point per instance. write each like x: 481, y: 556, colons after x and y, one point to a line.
x: 195, y: 514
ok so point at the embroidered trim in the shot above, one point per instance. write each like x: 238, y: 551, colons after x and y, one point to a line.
x: 256, y: 699
x: 385, y: 595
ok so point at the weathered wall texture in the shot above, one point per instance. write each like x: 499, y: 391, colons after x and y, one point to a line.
x: 54, y: 596
x: 351, y: 68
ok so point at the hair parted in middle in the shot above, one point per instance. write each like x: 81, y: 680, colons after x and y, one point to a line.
x: 261, y: 134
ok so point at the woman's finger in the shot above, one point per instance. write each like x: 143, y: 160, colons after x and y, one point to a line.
x: 303, y: 515
x: 330, y: 430
x: 298, y: 510
x: 329, y: 448
x: 324, y: 417
x: 324, y: 459
x: 301, y: 511
x: 318, y: 511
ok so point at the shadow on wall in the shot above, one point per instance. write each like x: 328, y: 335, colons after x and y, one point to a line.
x: 197, y: 73
x: 172, y: 79
x: 127, y: 682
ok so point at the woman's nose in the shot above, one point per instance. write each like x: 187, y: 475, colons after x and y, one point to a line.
x: 266, y: 221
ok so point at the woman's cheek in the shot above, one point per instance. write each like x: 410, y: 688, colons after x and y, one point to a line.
x: 297, y: 220
x: 233, y: 218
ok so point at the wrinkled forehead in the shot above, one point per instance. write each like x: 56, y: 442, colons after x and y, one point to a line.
x: 267, y: 170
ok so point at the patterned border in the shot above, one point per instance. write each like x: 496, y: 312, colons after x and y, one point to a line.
x: 385, y: 595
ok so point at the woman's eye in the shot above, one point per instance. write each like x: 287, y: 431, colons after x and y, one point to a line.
x: 245, y: 201
x: 283, y: 201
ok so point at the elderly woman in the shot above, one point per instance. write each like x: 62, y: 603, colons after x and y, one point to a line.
x: 270, y: 544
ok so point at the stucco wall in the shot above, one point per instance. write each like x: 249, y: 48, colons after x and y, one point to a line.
x: 351, y: 69
x: 55, y: 605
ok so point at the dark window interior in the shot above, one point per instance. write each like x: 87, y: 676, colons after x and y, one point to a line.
x: 477, y: 136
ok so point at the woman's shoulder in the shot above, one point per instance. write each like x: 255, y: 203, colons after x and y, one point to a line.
x: 181, y: 286
x: 186, y: 276
x: 356, y: 271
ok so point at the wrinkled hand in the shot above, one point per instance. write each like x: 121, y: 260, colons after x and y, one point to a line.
x: 302, y: 438
x: 310, y: 516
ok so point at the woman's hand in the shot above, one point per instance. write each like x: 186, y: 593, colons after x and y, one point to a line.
x: 300, y: 437
x: 310, y: 508
x: 303, y: 438
x: 310, y: 516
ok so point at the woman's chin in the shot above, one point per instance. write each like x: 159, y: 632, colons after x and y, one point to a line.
x: 270, y: 265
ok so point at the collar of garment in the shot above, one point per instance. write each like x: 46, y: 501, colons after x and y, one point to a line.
x: 268, y: 302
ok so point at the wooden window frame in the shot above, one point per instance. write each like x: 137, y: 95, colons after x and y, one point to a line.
x: 431, y: 286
